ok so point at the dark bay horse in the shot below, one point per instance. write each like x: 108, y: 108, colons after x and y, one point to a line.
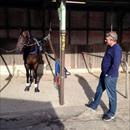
x: 31, y: 56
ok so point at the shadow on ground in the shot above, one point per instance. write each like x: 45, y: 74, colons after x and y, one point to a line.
x: 89, y: 92
x: 26, y: 114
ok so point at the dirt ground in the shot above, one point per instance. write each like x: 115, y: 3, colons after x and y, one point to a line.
x: 20, y: 110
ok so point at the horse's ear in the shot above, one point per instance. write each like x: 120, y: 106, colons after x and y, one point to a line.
x: 20, y: 30
x: 30, y: 34
x: 27, y: 33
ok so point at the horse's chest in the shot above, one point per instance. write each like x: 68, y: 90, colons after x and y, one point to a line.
x: 32, y: 59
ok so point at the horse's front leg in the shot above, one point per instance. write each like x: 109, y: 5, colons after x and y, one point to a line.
x: 36, y: 81
x: 28, y: 84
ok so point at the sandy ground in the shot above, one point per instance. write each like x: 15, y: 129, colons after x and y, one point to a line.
x: 20, y: 110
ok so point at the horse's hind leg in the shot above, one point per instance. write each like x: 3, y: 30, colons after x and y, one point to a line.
x: 36, y: 81
x: 28, y: 84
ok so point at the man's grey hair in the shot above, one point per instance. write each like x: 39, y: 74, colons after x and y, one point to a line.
x: 113, y: 35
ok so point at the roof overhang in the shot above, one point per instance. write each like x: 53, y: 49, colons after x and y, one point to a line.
x: 71, y: 4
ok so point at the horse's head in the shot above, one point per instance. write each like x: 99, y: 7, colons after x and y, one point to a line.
x: 23, y: 40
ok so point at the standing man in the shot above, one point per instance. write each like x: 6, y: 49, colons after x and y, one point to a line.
x: 108, y: 77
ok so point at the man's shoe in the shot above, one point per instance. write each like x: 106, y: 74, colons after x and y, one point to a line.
x: 107, y: 118
x: 90, y: 108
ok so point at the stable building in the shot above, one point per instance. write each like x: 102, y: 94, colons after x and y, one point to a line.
x: 86, y: 25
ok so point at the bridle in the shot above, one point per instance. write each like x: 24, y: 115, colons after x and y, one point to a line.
x: 28, y: 41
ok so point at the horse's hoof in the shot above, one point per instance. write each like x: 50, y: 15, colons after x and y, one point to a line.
x: 26, y: 89
x: 37, y: 90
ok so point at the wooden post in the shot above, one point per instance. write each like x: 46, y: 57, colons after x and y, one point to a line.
x: 62, y: 18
